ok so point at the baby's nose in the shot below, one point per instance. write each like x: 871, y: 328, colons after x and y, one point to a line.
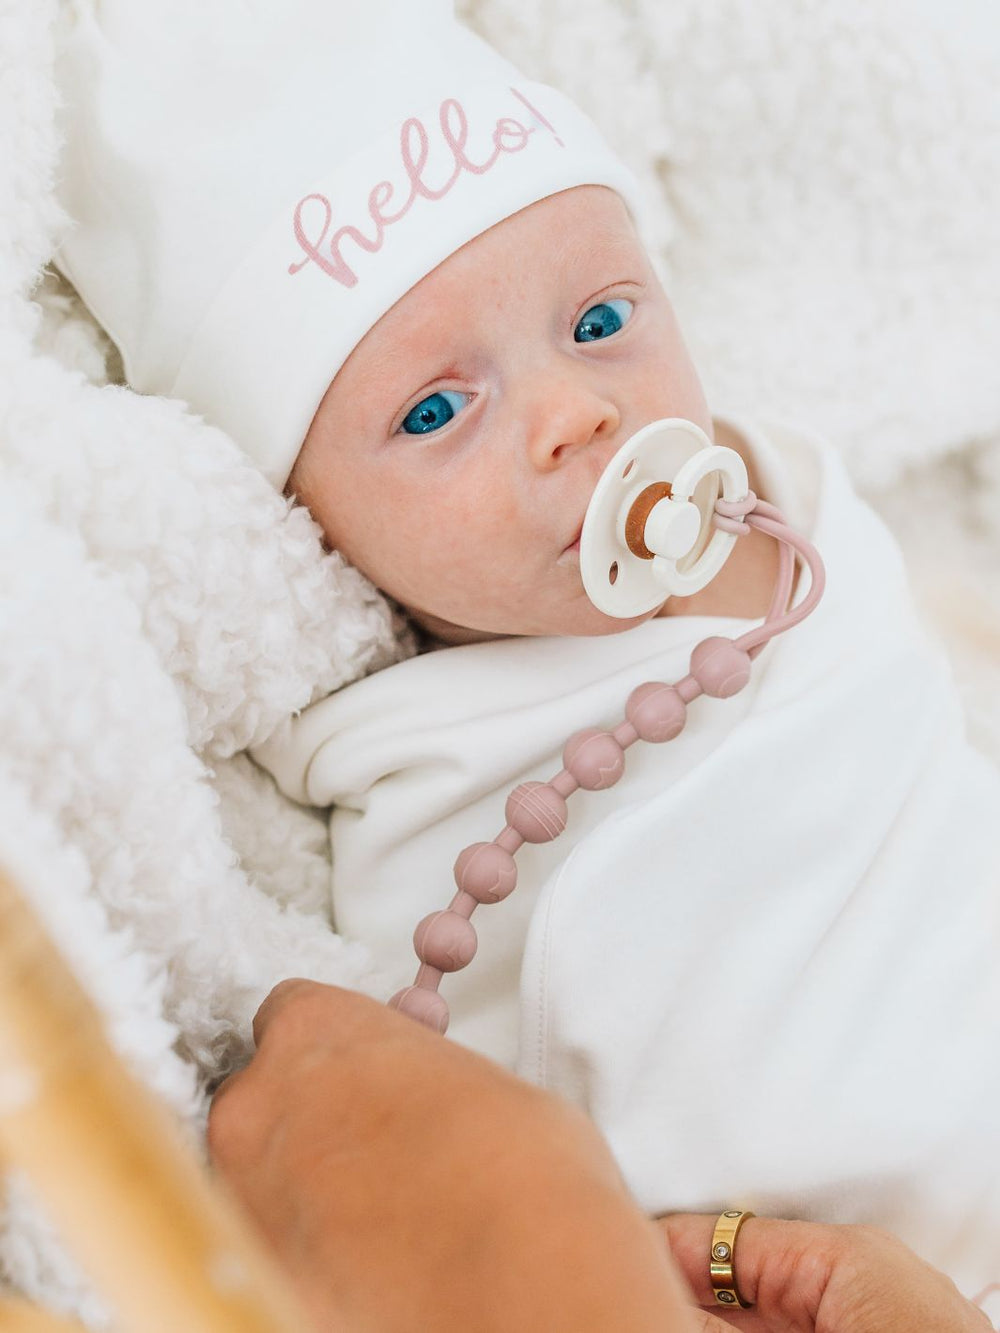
x: 569, y: 416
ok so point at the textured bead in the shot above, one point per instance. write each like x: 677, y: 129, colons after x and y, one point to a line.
x: 486, y: 872
x: 594, y: 758
x: 446, y: 941
x: 720, y: 668
x: 657, y: 711
x: 426, y: 1006
x: 536, y: 811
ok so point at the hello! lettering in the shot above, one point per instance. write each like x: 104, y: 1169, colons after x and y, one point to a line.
x: 509, y: 136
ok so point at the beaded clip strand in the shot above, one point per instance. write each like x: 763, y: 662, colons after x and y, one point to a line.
x: 594, y: 759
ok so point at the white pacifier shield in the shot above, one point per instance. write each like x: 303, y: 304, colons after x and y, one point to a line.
x: 688, y: 550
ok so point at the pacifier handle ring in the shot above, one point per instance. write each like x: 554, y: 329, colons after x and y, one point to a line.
x: 594, y: 758
x: 729, y: 469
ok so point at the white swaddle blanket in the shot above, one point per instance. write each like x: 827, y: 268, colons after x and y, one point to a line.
x: 764, y: 962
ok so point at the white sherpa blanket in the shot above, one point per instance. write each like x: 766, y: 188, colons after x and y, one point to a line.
x: 829, y: 183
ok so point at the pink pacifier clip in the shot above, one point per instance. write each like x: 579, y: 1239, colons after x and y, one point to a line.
x: 656, y: 711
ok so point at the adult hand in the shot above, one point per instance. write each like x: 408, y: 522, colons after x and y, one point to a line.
x: 407, y: 1183
x: 803, y: 1277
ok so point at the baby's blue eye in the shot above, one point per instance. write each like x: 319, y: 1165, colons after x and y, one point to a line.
x: 600, y: 321
x: 433, y: 412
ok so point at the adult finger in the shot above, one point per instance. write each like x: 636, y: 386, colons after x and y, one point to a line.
x: 767, y: 1252
x: 314, y: 1009
x: 279, y: 998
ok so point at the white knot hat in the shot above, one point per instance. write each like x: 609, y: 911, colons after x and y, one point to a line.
x: 253, y: 183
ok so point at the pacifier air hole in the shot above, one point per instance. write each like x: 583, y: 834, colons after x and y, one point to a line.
x: 628, y: 469
x: 613, y: 573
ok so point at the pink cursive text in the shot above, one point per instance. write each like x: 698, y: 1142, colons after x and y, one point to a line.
x: 509, y: 136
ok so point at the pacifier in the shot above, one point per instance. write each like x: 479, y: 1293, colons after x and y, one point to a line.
x: 649, y: 532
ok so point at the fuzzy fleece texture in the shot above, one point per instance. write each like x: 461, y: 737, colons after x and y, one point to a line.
x: 827, y: 183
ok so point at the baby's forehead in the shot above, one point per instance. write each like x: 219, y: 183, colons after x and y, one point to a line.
x: 559, y: 249
x: 580, y: 224
x: 570, y: 246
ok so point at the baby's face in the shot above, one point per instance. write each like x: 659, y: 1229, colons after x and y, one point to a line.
x: 453, y: 456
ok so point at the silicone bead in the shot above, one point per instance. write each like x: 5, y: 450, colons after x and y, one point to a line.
x: 486, y: 872
x: 426, y: 1006
x: 446, y: 941
x: 594, y: 758
x: 720, y: 668
x: 657, y: 711
x: 536, y: 811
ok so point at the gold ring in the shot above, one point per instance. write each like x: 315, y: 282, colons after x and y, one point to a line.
x: 723, y: 1274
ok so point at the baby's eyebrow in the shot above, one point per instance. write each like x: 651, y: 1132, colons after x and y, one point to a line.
x: 590, y: 249
x: 400, y: 370
x: 401, y: 362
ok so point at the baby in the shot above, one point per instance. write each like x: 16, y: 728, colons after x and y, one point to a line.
x: 763, y: 961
